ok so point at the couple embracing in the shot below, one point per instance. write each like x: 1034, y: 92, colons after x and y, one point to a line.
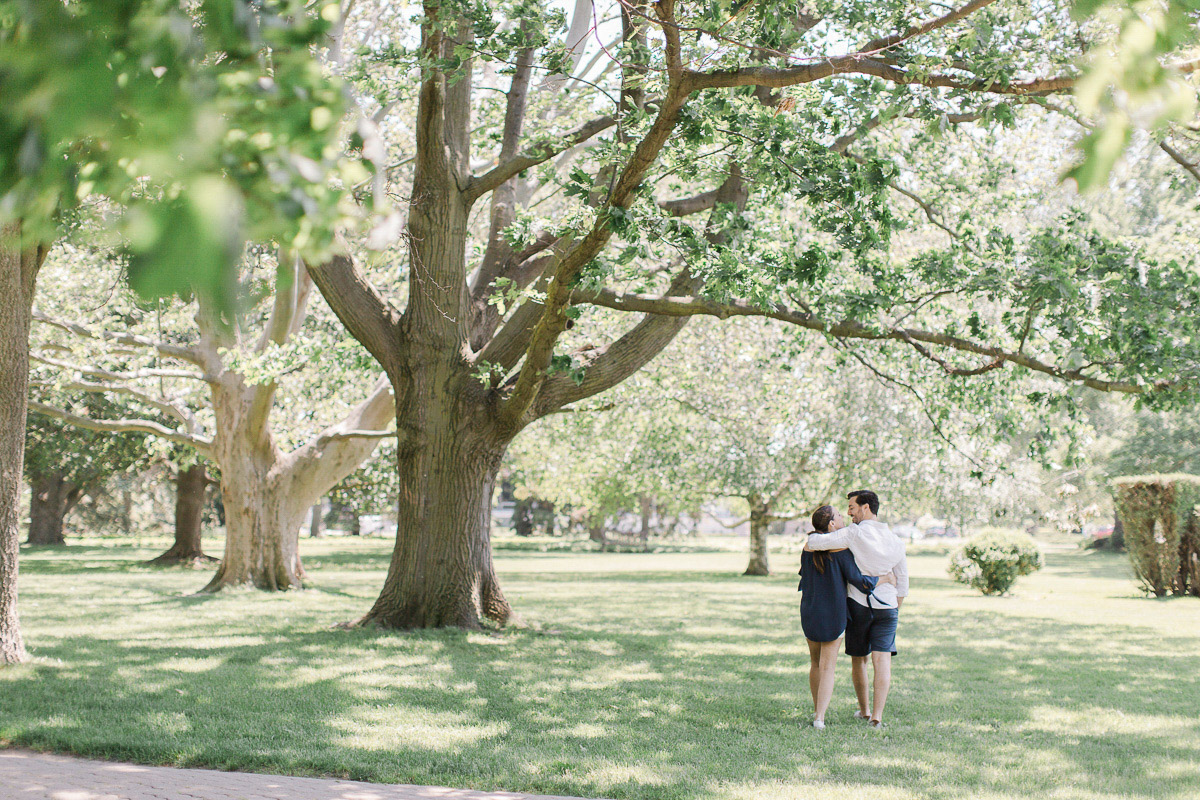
x: 853, y: 579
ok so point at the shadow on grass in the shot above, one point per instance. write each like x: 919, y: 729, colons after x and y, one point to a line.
x: 1090, y: 564
x: 650, y: 685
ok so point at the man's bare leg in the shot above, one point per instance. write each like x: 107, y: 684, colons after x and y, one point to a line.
x: 858, y: 671
x: 882, y: 664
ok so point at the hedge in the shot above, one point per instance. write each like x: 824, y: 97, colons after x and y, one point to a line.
x: 992, y: 562
x: 1161, y: 517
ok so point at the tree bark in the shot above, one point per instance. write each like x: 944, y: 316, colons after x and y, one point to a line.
x: 266, y: 493
x: 316, y: 526
x: 18, y: 273
x: 262, y: 532
x: 190, y: 489
x: 646, y: 506
x: 759, y: 521
x: 441, y: 572
x: 50, y: 498
x: 126, y: 512
x: 596, y: 533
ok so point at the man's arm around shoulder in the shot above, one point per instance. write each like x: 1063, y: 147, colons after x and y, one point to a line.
x: 832, y: 541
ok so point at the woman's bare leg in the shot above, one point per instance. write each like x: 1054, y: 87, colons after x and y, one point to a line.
x: 814, y: 669
x: 827, y: 661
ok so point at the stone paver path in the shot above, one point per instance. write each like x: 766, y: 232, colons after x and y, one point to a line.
x: 25, y: 775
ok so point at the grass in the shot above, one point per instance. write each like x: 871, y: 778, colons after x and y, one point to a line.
x: 662, y: 675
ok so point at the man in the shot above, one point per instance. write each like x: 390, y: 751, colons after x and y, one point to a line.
x: 871, y: 627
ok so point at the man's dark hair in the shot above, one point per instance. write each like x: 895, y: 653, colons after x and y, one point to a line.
x: 865, y: 497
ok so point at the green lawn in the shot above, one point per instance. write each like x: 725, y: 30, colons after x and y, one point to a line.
x: 660, y: 675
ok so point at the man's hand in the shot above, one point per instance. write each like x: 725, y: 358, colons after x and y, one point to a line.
x: 899, y: 602
x: 888, y: 579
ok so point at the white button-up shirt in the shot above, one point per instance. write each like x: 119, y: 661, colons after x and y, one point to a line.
x: 877, y: 551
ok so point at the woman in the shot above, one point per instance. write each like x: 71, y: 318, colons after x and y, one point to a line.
x: 823, y: 578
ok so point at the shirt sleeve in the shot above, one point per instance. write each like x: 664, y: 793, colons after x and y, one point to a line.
x: 832, y: 541
x: 901, y: 573
x: 854, y: 576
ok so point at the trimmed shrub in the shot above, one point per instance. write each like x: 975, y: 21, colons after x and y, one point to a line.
x: 1162, y: 530
x: 992, y: 562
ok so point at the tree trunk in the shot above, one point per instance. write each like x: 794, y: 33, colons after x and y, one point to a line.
x: 596, y: 532
x: 262, y: 518
x: 18, y: 271
x: 523, y: 517
x: 262, y: 532
x: 647, y: 508
x: 316, y: 526
x: 126, y: 512
x: 190, y: 491
x: 49, y: 501
x: 441, y: 573
x: 759, y: 521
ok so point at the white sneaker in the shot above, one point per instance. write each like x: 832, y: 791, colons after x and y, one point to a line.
x: 818, y: 724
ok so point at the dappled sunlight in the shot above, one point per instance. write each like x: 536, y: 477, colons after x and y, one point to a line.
x: 661, y: 680
x: 1103, y: 721
x: 389, y: 728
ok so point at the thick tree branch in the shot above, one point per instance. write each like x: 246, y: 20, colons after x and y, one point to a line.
x: 201, y: 445
x: 686, y: 206
x: 894, y: 39
x: 179, y: 413
x: 317, y: 466
x: 371, y: 319
x: 179, y: 352
x: 1192, y: 167
x: 612, y: 364
x: 338, y: 436
x: 679, y: 306
x: 293, y: 285
x: 779, y: 78
x: 503, y: 206
x: 97, y: 372
x: 510, y: 342
x: 729, y: 526
x: 554, y: 320
x: 539, y: 153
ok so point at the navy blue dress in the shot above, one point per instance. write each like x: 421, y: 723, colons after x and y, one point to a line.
x: 823, y: 598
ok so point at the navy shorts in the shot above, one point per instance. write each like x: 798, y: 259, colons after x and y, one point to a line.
x: 870, y: 630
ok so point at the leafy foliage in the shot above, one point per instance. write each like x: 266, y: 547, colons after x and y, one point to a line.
x: 992, y: 562
x: 82, y: 458
x: 1127, y: 85
x: 209, y: 124
x: 1162, y: 530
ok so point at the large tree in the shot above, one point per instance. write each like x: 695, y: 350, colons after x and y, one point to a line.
x: 191, y: 494
x: 214, y: 387
x: 18, y: 272
x: 701, y: 106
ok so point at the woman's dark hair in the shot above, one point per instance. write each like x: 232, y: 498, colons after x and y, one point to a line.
x: 821, y: 520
